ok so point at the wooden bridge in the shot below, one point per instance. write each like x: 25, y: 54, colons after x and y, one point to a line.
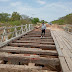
x: 22, y: 50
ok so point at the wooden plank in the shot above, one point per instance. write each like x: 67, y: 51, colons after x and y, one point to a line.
x: 36, y: 38
x: 28, y: 51
x: 66, y: 40
x: 40, y: 42
x: 50, y: 47
x: 48, y: 38
x: 69, y: 62
x: 20, y: 68
x: 25, y: 41
x: 30, y: 58
x: 69, y: 43
x: 65, y: 49
x: 67, y: 56
x: 44, y: 40
x: 63, y: 64
x: 57, y: 45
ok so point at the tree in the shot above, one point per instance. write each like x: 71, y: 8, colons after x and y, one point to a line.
x: 35, y: 20
x: 24, y: 17
x: 15, y: 16
x: 4, y: 17
x: 43, y: 21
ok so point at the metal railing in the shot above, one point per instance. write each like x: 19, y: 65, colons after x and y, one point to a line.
x: 7, y: 33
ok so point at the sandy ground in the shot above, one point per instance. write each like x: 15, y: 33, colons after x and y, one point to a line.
x: 54, y: 27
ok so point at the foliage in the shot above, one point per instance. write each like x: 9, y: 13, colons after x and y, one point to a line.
x: 43, y: 21
x: 64, y: 20
x: 25, y: 19
x: 35, y: 20
x: 13, y: 23
x: 15, y: 16
x: 16, y: 19
x: 4, y: 17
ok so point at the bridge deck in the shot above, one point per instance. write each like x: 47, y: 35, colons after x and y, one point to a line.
x: 30, y: 53
x: 63, y: 43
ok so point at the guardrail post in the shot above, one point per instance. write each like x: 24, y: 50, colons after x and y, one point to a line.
x: 5, y: 34
x: 26, y: 28
x: 68, y: 29
x: 2, y: 38
x: 22, y: 29
x: 16, y: 31
x: 29, y: 27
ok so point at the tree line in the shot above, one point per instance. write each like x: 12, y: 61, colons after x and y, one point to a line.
x: 64, y: 20
x: 16, y: 19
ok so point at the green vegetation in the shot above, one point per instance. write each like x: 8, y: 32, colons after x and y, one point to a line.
x: 15, y: 16
x: 43, y: 21
x: 4, y: 17
x: 35, y: 20
x: 64, y: 20
x: 14, y: 19
x: 17, y: 19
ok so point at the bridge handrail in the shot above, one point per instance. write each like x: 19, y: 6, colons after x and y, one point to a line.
x: 17, y: 31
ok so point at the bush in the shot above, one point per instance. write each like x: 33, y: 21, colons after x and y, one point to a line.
x: 13, y: 23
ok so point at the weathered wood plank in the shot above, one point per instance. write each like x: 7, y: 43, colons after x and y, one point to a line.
x: 57, y: 45
x: 50, y: 47
x: 20, y: 68
x: 65, y: 50
x: 40, y: 42
x: 69, y: 62
x: 31, y: 58
x: 33, y: 38
x: 28, y: 51
x: 63, y: 64
x: 65, y: 47
x: 37, y: 36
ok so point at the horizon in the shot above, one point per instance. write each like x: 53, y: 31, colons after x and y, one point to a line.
x: 43, y: 9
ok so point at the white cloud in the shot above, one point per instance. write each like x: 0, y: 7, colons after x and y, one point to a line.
x: 4, y: 0
x: 49, y: 11
x: 16, y: 4
x: 59, y: 6
x: 41, y: 1
x: 22, y: 8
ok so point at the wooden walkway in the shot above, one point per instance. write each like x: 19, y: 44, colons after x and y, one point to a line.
x: 63, y: 42
x: 30, y: 53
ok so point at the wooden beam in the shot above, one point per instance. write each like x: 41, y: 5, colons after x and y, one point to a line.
x: 29, y: 51
x: 30, y: 58
x: 50, y: 47
x: 35, y: 38
x: 20, y: 68
x: 40, y: 42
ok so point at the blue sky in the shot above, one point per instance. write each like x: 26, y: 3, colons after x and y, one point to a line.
x: 48, y: 10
